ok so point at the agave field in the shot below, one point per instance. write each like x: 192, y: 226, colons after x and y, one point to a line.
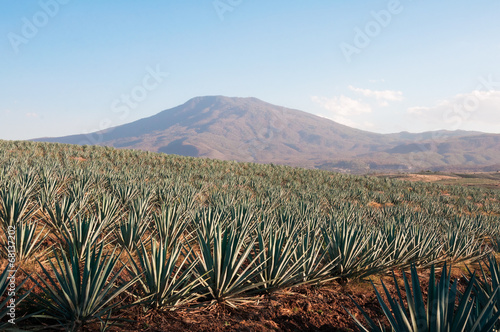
x: 93, y: 232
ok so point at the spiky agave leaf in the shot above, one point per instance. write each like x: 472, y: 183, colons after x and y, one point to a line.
x: 60, y: 213
x: 166, y: 277
x: 130, y: 232
x: 226, y: 265
x: 440, y: 314
x: 170, y: 223
x: 460, y: 246
x: 487, y: 288
x: 314, y: 267
x: 81, y: 234
x: 28, y: 240
x: 77, y: 293
x: 9, y: 292
x: 347, y: 244
x: 280, y: 269
x: 15, y: 204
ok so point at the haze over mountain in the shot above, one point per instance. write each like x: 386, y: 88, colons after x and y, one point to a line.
x: 250, y: 130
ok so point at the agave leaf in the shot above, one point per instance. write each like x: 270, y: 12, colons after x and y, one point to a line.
x: 80, y: 293
x: 163, y: 281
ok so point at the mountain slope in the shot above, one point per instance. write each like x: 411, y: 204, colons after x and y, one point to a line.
x: 248, y: 129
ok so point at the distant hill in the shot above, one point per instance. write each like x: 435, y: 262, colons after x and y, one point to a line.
x: 248, y: 129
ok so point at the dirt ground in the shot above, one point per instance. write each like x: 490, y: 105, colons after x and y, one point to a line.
x: 490, y: 180
x: 308, y: 308
x: 305, y: 309
x: 427, y: 178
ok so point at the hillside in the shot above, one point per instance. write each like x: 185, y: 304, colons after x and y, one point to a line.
x: 250, y: 130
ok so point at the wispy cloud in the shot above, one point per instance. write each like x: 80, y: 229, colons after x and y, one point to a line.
x: 31, y: 115
x: 356, y: 110
x: 462, y: 111
x: 383, y: 96
x: 342, y: 109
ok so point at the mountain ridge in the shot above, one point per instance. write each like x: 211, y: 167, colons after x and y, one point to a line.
x: 251, y: 130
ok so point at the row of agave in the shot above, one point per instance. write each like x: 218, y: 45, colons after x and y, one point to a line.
x: 140, y: 170
x: 228, y: 266
x: 141, y: 229
x: 477, y: 309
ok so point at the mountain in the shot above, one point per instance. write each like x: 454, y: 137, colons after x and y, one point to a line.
x: 250, y: 130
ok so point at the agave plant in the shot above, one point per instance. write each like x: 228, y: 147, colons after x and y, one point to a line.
x: 425, y: 244
x: 125, y: 193
x: 77, y: 294
x: 166, y: 278
x: 460, y: 246
x: 28, y: 240
x: 140, y: 206
x: 313, y: 266
x: 317, y: 218
x: 348, y: 245
x: 206, y: 221
x: 280, y: 267
x: 61, y: 212
x: 80, y: 193
x: 81, y: 186
x: 15, y: 205
x: 130, y: 232
x: 27, y: 180
x: 440, y: 313
x: 80, y: 234
x: 51, y: 185
x: 170, y: 224
x: 487, y: 288
x: 225, y: 265
x: 108, y: 211
x: 8, y: 293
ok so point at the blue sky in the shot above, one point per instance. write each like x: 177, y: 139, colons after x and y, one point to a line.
x: 71, y: 67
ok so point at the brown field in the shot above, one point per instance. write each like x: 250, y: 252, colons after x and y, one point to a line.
x: 489, y: 180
